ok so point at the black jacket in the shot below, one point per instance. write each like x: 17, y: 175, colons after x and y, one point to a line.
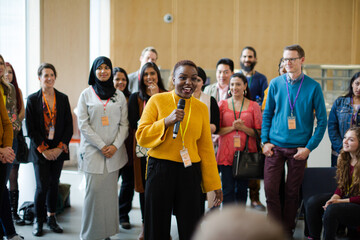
x: 36, y: 128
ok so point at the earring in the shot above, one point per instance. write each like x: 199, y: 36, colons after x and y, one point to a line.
x: 229, y: 93
x: 245, y: 92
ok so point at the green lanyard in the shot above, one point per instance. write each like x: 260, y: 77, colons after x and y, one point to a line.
x: 250, y: 80
x: 242, y: 104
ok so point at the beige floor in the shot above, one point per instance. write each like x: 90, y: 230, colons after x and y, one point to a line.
x: 70, y: 219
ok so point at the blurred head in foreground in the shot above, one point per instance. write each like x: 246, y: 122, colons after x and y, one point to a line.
x: 235, y: 223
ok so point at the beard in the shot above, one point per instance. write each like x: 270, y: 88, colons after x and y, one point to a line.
x: 247, y: 68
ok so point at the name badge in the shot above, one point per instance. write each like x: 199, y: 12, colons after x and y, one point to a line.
x: 185, y: 157
x: 292, y: 122
x: 51, y: 133
x: 105, y: 120
x: 237, y: 142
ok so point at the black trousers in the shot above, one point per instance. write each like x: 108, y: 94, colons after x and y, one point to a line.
x: 170, y: 187
x: 347, y: 214
x: 47, y: 175
x: 126, y: 192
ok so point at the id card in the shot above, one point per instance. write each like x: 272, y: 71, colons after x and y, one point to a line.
x: 105, y: 120
x: 185, y: 157
x: 51, y: 133
x: 292, y: 122
x: 237, y: 142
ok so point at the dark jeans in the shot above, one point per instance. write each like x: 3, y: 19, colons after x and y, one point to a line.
x: 234, y: 190
x: 47, y: 175
x: 273, y: 171
x: 126, y: 192
x: 171, y: 187
x: 347, y: 214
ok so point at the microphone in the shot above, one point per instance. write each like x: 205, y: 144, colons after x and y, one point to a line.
x: 181, y: 105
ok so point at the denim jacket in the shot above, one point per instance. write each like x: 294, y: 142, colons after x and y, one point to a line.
x: 339, y: 121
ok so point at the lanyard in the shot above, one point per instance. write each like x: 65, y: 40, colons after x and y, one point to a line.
x: 101, y: 100
x: 242, y: 104
x: 352, y: 183
x: 47, y: 105
x: 297, y: 94
x: 187, y: 122
x: 250, y: 80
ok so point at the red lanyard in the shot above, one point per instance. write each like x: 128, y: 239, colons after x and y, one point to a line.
x: 101, y: 100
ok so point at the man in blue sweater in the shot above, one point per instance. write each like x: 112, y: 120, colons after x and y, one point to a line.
x: 288, y: 134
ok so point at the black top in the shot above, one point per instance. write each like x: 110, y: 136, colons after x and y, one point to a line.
x: 214, y: 114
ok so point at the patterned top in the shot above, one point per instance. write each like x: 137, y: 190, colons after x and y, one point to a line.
x: 9, y: 96
x: 48, y: 123
x: 252, y: 118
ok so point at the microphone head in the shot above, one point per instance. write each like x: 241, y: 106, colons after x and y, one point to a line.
x: 181, y: 104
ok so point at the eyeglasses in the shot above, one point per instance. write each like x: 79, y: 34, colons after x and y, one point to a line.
x: 284, y: 60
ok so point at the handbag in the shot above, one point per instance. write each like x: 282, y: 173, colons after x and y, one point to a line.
x: 247, y: 165
x: 23, y: 149
x: 140, y: 151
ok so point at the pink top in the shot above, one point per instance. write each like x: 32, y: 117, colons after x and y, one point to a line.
x: 252, y: 118
x: 354, y: 199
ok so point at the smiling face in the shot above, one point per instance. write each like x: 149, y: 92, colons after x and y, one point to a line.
x: 103, y: 72
x: 223, y: 74
x: 149, y: 56
x: 350, y: 142
x: 150, y: 77
x: 237, y: 87
x: 185, y: 81
x: 9, y: 75
x: 247, y: 60
x: 293, y: 66
x: 120, y: 81
x: 356, y: 87
x: 47, y: 78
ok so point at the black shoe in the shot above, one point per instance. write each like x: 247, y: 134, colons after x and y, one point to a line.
x: 37, y: 228
x: 53, y: 225
x: 17, y: 219
x: 125, y: 225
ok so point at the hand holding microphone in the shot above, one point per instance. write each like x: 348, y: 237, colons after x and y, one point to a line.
x: 176, y: 117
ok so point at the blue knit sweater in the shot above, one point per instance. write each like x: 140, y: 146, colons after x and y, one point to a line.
x: 275, y: 118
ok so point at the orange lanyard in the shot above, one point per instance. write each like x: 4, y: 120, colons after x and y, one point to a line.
x: 47, y: 105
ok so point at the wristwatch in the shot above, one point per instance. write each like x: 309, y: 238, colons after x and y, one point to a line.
x: 263, y: 143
